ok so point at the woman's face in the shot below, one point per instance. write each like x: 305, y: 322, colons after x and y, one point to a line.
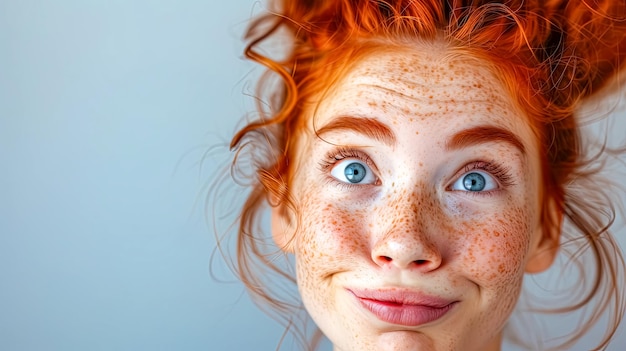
x: 418, y: 205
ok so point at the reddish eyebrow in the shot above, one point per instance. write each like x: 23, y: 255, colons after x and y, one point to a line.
x: 484, y: 134
x: 367, y: 126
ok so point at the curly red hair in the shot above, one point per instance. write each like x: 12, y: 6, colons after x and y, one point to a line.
x: 550, y: 54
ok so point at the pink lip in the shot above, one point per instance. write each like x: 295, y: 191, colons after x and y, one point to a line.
x: 401, y: 306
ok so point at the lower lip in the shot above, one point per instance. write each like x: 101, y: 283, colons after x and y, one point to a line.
x: 406, y: 315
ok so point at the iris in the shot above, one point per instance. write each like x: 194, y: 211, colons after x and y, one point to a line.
x: 474, y: 182
x: 355, y: 172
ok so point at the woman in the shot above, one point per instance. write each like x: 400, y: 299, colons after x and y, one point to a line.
x: 419, y: 159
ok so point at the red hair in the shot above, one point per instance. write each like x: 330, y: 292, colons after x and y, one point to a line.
x: 549, y: 54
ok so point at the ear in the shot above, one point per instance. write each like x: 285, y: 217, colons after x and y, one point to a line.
x: 546, y: 240
x: 283, y: 231
x: 282, y: 226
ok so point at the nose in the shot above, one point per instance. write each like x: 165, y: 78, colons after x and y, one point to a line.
x: 406, y: 245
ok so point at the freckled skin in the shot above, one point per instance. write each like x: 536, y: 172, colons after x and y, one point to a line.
x: 411, y: 229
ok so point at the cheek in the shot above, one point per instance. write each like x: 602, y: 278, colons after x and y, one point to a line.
x: 328, y: 234
x: 495, y: 248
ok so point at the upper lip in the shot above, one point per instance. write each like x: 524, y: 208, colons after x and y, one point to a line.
x: 401, y: 296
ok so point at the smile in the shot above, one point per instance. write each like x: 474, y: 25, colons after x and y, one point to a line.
x: 402, y: 307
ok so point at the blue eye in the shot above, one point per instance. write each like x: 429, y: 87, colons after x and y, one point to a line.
x: 475, y: 181
x: 354, y: 172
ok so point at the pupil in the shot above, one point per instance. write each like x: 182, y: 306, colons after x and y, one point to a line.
x: 355, y: 172
x: 474, y: 182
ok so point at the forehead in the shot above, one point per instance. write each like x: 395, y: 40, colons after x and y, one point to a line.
x: 429, y: 82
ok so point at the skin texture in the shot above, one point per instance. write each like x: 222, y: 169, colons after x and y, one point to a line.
x: 411, y: 224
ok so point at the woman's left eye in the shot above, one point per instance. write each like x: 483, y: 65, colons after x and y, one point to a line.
x: 353, y: 171
x: 475, y: 181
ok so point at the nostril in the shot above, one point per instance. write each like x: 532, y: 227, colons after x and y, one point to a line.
x: 386, y: 258
x: 420, y: 262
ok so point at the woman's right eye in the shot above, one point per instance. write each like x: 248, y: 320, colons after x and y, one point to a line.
x: 353, y: 172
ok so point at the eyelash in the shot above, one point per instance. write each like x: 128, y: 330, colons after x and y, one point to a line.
x: 340, y: 154
x: 500, y: 173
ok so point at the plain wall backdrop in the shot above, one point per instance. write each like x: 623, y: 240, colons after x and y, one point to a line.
x: 106, y: 108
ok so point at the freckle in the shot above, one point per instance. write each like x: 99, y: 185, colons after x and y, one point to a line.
x: 501, y: 268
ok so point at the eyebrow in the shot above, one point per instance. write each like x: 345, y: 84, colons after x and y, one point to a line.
x: 379, y: 131
x: 369, y: 127
x: 484, y: 134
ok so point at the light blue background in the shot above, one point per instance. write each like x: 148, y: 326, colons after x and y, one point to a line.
x: 105, y: 109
